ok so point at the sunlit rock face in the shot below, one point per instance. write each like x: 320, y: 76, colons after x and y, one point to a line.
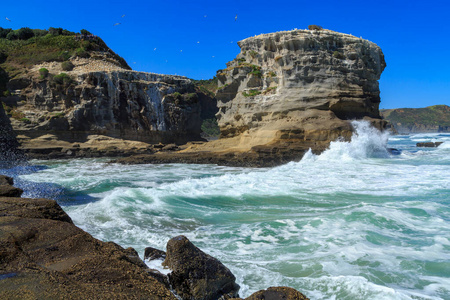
x: 300, y: 85
x: 124, y: 104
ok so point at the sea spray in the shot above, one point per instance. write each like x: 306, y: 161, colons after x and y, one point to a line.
x: 351, y: 223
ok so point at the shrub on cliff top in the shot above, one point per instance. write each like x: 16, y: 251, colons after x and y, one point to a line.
x: 67, y: 66
x: 62, y: 78
x: 43, y: 72
x: 315, y: 27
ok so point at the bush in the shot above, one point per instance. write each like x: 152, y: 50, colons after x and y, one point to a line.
x: 80, y: 52
x: 314, y: 27
x: 40, y: 32
x: 253, y: 53
x: 251, y: 93
x: 12, y: 36
x: 55, y: 31
x: 25, y: 33
x: 25, y: 120
x: 85, y: 32
x: 43, y: 72
x: 62, y: 78
x: 210, y: 127
x: 67, y: 66
x: 4, y: 32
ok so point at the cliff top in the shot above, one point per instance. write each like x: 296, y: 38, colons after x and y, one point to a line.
x: 302, y: 32
x: 431, y: 115
x: 56, y: 49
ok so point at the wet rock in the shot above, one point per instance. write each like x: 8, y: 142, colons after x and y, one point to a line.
x: 197, y: 275
x: 429, y: 144
x: 43, y: 255
x: 277, y: 293
x: 7, y: 189
x: 152, y: 253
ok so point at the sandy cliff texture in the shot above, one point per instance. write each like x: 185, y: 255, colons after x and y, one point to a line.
x: 299, y: 86
x: 119, y: 103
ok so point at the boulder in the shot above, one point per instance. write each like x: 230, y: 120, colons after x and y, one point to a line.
x: 429, y: 144
x: 197, y: 275
x: 277, y: 293
x: 7, y: 189
x: 152, y: 253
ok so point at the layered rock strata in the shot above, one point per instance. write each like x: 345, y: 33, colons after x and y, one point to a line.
x: 299, y: 86
x: 121, y: 104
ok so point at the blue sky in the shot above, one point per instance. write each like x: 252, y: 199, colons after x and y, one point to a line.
x: 197, y: 38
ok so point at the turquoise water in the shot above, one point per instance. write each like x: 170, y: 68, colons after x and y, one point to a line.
x: 353, y: 223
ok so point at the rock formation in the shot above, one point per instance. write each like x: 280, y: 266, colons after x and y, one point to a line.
x: 8, y: 142
x: 288, y: 92
x: 299, y: 86
x: 43, y: 255
x: 122, y: 104
x: 197, y: 275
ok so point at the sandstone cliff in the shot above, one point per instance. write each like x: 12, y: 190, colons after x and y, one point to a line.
x: 300, y: 86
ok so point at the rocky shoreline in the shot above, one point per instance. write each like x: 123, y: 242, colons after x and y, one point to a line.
x: 45, y: 256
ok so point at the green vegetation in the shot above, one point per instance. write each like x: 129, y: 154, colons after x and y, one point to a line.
x: 253, y: 53
x: 43, y: 72
x: 270, y: 90
x: 25, y: 47
x: 62, y: 79
x: 271, y: 74
x: 210, y: 128
x: 67, y: 66
x: 25, y: 120
x: 437, y: 115
x: 338, y: 55
x: 208, y: 87
x: 251, y: 93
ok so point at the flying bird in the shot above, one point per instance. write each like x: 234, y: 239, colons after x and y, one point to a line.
x: 116, y: 24
x: 123, y: 16
x: 235, y: 18
x: 7, y: 19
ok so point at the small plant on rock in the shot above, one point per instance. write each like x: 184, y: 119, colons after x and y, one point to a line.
x: 43, y: 72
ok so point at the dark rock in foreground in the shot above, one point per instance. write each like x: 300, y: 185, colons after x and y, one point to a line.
x: 43, y: 255
x: 197, y: 275
x: 277, y: 293
x: 6, y: 188
x: 429, y: 144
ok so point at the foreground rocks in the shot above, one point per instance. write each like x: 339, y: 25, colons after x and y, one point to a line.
x: 197, y: 275
x: 43, y: 255
x: 7, y: 189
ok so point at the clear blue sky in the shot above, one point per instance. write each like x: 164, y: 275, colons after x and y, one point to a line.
x: 196, y: 38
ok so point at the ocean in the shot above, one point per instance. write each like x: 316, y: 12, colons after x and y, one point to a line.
x: 356, y: 222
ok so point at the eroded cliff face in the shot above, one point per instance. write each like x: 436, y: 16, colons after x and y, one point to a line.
x: 119, y: 103
x: 299, y: 86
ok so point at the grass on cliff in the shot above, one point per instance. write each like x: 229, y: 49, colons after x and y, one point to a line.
x: 46, y: 46
x: 437, y: 115
x: 208, y: 87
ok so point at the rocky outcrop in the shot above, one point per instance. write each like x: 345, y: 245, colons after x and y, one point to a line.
x: 299, y: 86
x: 277, y: 293
x: 43, y: 255
x: 8, y: 142
x: 122, y: 104
x: 7, y: 189
x: 429, y: 144
x: 197, y: 275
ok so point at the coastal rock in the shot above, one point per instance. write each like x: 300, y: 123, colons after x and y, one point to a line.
x: 277, y: 293
x: 43, y: 255
x: 119, y: 103
x: 197, y: 275
x: 429, y: 144
x: 7, y: 189
x: 8, y: 143
x: 152, y: 253
x: 301, y: 87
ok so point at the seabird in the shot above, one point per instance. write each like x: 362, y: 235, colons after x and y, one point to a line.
x: 235, y: 18
x: 116, y: 24
x: 7, y: 19
x: 123, y: 16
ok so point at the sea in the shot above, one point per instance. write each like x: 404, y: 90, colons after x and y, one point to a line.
x: 359, y: 221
